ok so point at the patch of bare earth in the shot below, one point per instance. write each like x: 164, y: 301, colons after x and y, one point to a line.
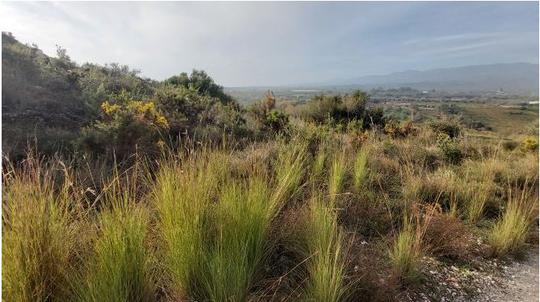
x: 479, y: 280
x: 520, y: 280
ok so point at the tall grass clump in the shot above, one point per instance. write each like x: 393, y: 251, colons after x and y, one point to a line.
x: 39, y: 234
x: 319, y: 163
x: 214, y: 225
x: 241, y: 225
x: 118, y: 267
x: 336, y: 178
x: 478, y: 195
x: 510, y: 232
x: 325, y: 254
x: 407, y: 250
x: 289, y: 171
x: 360, y: 169
x: 182, y: 195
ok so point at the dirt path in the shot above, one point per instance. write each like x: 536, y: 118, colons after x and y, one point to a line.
x: 486, y: 281
x: 519, y: 281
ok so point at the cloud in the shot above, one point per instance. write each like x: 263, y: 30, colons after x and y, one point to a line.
x: 262, y: 43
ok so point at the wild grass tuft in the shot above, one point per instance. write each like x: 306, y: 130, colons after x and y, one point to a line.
x: 118, y: 267
x: 510, y: 232
x: 360, y: 169
x: 319, y: 163
x: 337, y: 176
x: 325, y: 254
x: 407, y: 249
x: 241, y: 225
x: 39, y: 235
x: 182, y: 194
x: 478, y: 195
x: 289, y: 172
x: 406, y: 253
x: 214, y: 226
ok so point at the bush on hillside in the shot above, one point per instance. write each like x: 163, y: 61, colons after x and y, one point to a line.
x: 529, y: 145
x: 126, y: 128
x: 450, y: 148
x: 396, y: 130
x: 446, y: 126
x: 265, y: 118
x: 336, y: 109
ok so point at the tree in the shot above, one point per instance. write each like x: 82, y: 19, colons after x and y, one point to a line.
x: 200, y: 82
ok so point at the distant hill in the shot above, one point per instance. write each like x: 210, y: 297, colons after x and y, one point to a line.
x: 515, y: 78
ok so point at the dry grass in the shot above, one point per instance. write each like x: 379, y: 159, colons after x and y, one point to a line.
x: 204, y: 224
x: 40, y: 233
x: 447, y: 236
x: 510, y: 232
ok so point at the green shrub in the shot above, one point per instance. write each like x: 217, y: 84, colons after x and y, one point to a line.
x: 125, y: 129
x: 336, y: 109
x: 450, y: 148
x: 395, y: 129
x: 276, y: 121
x: 449, y: 127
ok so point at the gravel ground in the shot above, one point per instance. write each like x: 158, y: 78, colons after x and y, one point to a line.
x: 482, y: 280
x: 520, y: 279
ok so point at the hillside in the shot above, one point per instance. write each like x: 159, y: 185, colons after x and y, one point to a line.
x: 55, y: 104
x: 48, y: 99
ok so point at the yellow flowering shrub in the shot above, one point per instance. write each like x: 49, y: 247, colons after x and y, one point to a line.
x: 108, y: 108
x: 529, y: 144
x: 126, y: 127
x: 140, y: 110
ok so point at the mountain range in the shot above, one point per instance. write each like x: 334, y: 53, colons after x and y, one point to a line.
x: 514, y: 78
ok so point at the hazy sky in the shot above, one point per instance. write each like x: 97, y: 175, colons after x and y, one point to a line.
x: 243, y: 43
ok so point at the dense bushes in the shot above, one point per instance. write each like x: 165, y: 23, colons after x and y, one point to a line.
x: 126, y: 128
x: 449, y: 127
x: 265, y: 118
x: 194, y: 106
x: 192, y: 110
x: 54, y: 100
x: 339, y: 110
x: 450, y: 148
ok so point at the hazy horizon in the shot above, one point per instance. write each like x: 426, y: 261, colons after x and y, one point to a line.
x: 275, y: 44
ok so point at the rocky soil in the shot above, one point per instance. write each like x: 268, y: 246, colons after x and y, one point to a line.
x: 479, y: 280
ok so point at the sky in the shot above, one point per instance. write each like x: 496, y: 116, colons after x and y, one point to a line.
x: 279, y: 43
